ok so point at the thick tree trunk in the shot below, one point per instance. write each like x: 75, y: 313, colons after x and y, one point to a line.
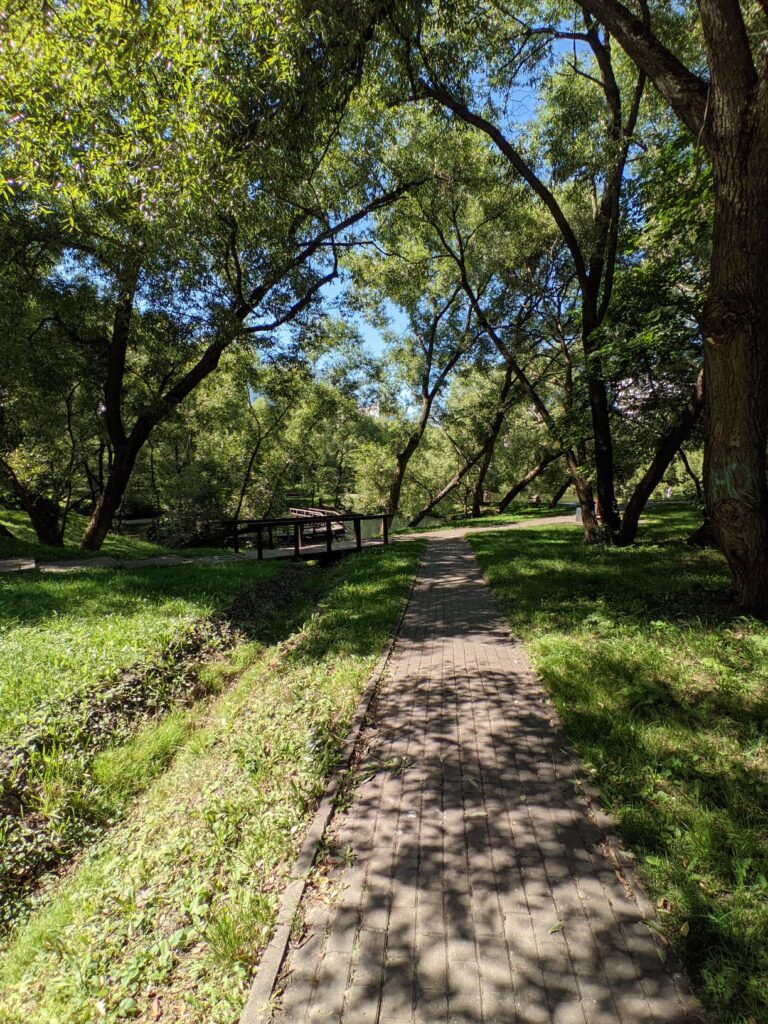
x: 610, y: 519
x: 736, y: 367
x: 46, y: 518
x: 46, y: 515
x: 665, y: 453
x: 523, y: 482
x: 592, y: 531
x: 112, y: 495
x: 398, y: 474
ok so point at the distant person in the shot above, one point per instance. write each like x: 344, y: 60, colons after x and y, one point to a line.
x: 668, y: 493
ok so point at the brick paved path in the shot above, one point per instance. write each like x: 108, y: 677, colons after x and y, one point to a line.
x: 476, y: 890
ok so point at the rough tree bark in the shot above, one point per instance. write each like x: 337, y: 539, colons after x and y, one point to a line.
x: 728, y: 115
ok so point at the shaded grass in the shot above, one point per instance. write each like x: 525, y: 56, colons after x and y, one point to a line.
x: 26, y: 545
x: 663, y: 688
x: 172, y: 909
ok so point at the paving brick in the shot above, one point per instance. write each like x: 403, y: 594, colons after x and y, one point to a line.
x: 466, y: 859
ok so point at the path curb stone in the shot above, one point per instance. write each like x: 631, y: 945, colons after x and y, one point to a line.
x: 257, y: 1007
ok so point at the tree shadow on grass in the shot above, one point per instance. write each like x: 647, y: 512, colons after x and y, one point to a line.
x: 661, y: 684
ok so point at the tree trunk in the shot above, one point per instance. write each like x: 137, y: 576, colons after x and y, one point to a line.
x: 489, y: 446
x: 46, y: 518
x: 450, y: 486
x: 693, y: 476
x: 665, y: 453
x: 112, y: 495
x: 45, y: 514
x: 736, y: 367
x: 398, y: 474
x: 610, y: 519
x: 523, y: 482
x: 592, y: 532
x: 555, y: 499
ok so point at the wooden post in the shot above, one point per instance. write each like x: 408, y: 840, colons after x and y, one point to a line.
x: 259, y: 543
x: 328, y: 537
x: 385, y: 528
x: 296, y: 539
x: 358, y: 535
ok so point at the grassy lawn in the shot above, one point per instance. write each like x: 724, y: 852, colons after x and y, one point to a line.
x: 87, y: 661
x: 514, y: 514
x: 663, y: 689
x: 64, y: 633
x: 26, y: 545
x: 166, y: 916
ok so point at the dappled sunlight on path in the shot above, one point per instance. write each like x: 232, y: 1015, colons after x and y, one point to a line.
x: 472, y: 882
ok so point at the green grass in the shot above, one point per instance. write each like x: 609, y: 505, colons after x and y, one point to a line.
x: 172, y: 908
x: 514, y: 514
x: 60, y: 634
x: 26, y: 544
x: 100, y: 672
x: 663, y: 689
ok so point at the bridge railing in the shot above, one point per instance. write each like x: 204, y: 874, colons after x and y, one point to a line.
x: 295, y: 527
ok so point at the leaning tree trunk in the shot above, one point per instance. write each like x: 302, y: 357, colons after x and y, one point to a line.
x: 111, y: 497
x: 665, y: 453
x: 689, y: 470
x: 489, y: 446
x: 452, y: 484
x: 554, y: 501
x: 523, y: 482
x: 736, y: 366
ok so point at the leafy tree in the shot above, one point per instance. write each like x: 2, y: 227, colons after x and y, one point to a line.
x: 726, y: 112
x: 191, y: 163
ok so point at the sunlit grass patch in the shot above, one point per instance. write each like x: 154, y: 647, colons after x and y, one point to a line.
x: 514, y: 514
x: 60, y: 634
x: 663, y: 688
x: 172, y: 909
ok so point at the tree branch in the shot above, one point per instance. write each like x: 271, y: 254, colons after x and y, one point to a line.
x: 685, y: 92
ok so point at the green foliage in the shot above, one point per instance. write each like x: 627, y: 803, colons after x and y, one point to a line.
x: 175, y: 904
x: 661, y: 687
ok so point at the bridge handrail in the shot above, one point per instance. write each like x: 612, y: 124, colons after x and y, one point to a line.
x: 297, y: 524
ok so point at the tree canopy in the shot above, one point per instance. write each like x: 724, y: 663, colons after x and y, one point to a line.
x: 392, y: 256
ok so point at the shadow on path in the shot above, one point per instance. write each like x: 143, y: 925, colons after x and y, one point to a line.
x: 473, y: 887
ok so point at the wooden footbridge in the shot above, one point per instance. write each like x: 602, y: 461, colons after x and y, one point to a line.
x: 306, y: 533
